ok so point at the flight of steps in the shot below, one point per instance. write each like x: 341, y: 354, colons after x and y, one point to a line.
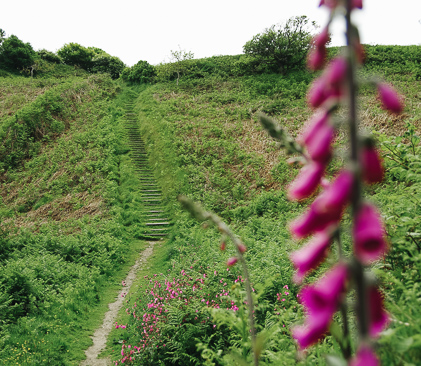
x: 157, y: 223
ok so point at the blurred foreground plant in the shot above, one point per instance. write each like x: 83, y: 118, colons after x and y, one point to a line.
x: 336, y: 87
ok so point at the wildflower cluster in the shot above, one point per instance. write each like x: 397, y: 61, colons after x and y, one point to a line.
x: 177, y: 302
x: 335, y: 87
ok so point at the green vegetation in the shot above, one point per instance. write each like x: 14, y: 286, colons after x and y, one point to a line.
x: 69, y: 210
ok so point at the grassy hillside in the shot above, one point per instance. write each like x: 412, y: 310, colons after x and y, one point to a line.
x: 65, y: 241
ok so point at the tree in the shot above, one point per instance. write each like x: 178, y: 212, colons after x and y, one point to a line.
x: 2, y: 36
x: 15, y: 54
x: 76, y: 55
x: 284, y: 46
x: 179, y: 64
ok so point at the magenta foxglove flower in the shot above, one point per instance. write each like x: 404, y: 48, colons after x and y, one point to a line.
x: 312, y: 221
x: 310, y: 256
x: 306, y: 182
x: 372, y: 168
x: 319, y: 144
x: 336, y: 71
x: 321, y: 301
x: 389, y: 98
x: 365, y: 357
x: 325, y: 295
x: 337, y: 195
x: 379, y: 319
x: 310, y: 332
x: 369, y: 235
x: 316, y: 58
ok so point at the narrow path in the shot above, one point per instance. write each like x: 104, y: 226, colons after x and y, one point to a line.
x: 155, y: 228
x: 101, y: 334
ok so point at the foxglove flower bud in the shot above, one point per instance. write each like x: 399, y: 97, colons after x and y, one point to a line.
x: 372, y: 168
x: 365, y: 357
x: 368, y: 232
x: 310, y: 256
x: 306, y: 182
x: 379, y: 319
x: 231, y: 261
x: 242, y: 248
x: 337, y: 195
x: 389, y: 98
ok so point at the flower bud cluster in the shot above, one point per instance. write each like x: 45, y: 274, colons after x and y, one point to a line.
x: 322, y: 219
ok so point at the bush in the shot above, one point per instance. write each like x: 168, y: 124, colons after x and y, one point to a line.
x: 105, y: 63
x: 15, y: 54
x: 76, y: 55
x: 49, y: 56
x: 282, y: 47
x: 142, y: 73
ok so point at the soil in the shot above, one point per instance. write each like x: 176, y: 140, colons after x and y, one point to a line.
x: 99, y: 337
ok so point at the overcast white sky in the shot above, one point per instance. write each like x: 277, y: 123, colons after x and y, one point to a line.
x: 147, y: 30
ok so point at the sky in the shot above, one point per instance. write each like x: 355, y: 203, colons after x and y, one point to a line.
x: 136, y: 30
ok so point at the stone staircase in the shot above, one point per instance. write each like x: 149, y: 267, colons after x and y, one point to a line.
x: 156, y: 223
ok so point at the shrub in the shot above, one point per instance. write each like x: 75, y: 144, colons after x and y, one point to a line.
x: 282, y: 47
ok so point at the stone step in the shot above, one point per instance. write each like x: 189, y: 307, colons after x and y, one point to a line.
x: 158, y: 223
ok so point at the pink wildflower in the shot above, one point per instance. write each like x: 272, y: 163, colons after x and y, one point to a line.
x: 310, y: 256
x: 306, y: 182
x: 372, y: 168
x: 317, y: 94
x: 365, y: 357
x: 389, y: 98
x: 368, y: 232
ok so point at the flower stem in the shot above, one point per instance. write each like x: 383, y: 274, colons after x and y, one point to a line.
x: 358, y: 268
